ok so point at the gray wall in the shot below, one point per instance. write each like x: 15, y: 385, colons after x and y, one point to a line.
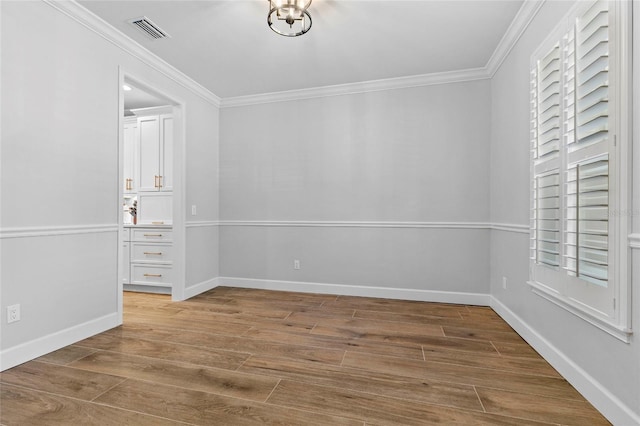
x: 202, y: 186
x: 605, y: 362
x: 406, y: 156
x: 59, y: 176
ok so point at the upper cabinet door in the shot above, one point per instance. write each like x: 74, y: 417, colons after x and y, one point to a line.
x: 130, y: 167
x: 149, y: 153
x: 166, y: 152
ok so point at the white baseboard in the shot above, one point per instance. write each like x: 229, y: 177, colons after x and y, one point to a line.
x: 356, y: 290
x: 43, y: 345
x: 201, y: 287
x: 608, y: 404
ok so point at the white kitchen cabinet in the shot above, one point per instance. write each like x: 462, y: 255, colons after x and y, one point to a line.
x: 130, y: 148
x: 155, y: 208
x: 150, y: 259
x: 155, y: 152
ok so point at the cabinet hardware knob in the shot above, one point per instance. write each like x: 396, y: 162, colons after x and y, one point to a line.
x: 153, y: 235
x: 155, y: 182
x: 157, y: 253
x: 153, y: 275
x: 159, y: 181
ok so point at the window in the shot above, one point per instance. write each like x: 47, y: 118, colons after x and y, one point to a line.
x: 579, y: 166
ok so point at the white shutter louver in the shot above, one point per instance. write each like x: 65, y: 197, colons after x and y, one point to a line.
x: 548, y: 219
x: 548, y: 105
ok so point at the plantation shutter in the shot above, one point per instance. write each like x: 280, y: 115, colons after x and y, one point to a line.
x: 580, y: 84
x: 587, y: 145
x: 546, y: 139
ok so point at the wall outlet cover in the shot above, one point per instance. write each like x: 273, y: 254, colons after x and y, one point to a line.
x: 13, y: 313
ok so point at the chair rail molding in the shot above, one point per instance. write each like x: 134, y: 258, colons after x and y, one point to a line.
x: 634, y: 241
x: 356, y: 224
x: 45, y: 231
x: 202, y: 223
x: 507, y: 227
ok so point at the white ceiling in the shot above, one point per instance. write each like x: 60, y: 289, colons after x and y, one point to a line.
x: 139, y: 98
x: 227, y: 47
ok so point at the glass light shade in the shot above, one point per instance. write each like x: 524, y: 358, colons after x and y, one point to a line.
x: 289, y: 18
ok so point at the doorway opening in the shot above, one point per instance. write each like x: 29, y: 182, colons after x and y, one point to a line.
x: 151, y: 224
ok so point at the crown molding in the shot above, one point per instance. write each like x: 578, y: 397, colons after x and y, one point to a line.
x: 96, y: 24
x: 360, y: 87
x: 520, y: 22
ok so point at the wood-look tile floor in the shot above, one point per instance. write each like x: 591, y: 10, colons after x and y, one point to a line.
x: 235, y: 356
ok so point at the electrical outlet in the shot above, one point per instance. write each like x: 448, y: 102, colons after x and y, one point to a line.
x: 13, y: 313
x: 504, y: 283
x: 194, y: 210
x: 296, y: 264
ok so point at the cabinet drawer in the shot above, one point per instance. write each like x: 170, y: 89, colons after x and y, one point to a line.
x: 150, y: 234
x: 151, y: 252
x: 158, y: 275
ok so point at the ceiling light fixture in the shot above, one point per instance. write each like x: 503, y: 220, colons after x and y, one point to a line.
x: 291, y: 17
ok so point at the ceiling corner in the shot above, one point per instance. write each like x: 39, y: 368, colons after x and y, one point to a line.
x: 520, y: 22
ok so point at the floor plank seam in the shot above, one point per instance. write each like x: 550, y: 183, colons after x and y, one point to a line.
x: 112, y: 387
x: 393, y: 398
x: 495, y: 347
x: 152, y: 340
x: 479, y: 399
x: 344, y: 355
x: 243, y: 363
x: 101, y: 404
x: 272, y: 391
x: 147, y: 357
x: 313, y: 328
x: 223, y: 395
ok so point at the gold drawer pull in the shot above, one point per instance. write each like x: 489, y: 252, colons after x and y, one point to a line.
x: 159, y: 253
x: 153, y: 275
x: 157, y: 223
x: 153, y: 235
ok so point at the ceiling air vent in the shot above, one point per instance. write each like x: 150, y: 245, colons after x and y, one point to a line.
x: 149, y: 28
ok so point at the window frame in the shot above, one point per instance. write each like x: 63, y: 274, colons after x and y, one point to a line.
x: 553, y: 283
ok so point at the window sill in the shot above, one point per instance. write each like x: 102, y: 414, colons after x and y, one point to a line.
x: 620, y: 333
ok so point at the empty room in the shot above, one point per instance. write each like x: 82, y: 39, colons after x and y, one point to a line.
x: 359, y: 212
